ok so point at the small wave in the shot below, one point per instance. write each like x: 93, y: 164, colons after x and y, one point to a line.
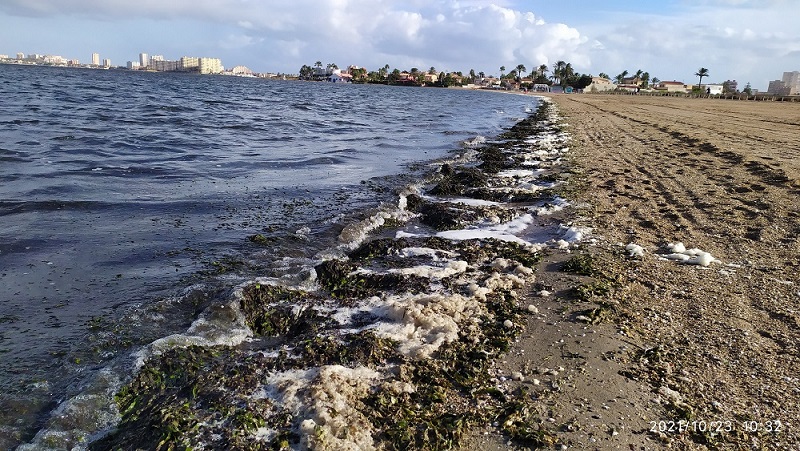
x: 475, y: 142
x: 15, y: 207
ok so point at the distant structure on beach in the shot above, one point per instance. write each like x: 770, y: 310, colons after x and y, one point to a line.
x: 789, y: 85
x: 185, y: 64
x: 600, y: 84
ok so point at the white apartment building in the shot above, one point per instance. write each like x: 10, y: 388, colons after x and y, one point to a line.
x: 164, y: 66
x: 95, y: 59
x: 55, y: 60
x: 143, y: 61
x: 107, y: 62
x: 210, y: 65
x: 188, y: 63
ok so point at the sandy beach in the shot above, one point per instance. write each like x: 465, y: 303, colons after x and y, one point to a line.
x: 639, y: 344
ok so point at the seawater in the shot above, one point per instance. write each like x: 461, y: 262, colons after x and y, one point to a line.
x: 132, y: 202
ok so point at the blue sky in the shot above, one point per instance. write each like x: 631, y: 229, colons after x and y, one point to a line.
x: 748, y: 40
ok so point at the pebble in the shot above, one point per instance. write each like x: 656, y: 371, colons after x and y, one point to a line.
x: 508, y: 324
x: 517, y: 376
x: 533, y: 309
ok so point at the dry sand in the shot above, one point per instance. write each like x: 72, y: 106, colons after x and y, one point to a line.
x: 675, y: 355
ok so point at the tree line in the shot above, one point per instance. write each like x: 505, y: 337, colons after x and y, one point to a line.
x: 561, y: 74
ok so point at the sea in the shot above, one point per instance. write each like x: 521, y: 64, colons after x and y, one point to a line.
x: 133, y: 202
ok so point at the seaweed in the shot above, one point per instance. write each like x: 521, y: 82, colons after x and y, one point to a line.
x: 204, y: 396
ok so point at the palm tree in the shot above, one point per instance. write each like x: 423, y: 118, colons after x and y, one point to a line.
x: 567, y: 74
x: 502, y: 70
x: 520, y: 70
x: 655, y: 80
x: 645, y: 79
x: 543, y: 69
x: 604, y: 75
x: 703, y: 72
x: 558, y: 71
x: 621, y: 77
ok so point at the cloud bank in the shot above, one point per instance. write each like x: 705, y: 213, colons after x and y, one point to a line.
x: 751, y: 40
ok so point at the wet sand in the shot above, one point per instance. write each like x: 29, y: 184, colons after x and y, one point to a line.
x: 646, y: 352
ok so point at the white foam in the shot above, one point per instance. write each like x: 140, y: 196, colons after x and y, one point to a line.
x: 554, y: 206
x: 354, y: 234
x: 460, y: 235
x: 475, y: 142
x: 635, y: 250
x: 433, y: 272
x: 433, y: 254
x: 222, y: 324
x: 325, y: 401
x: 693, y: 256
x: 422, y: 323
x: 510, y: 173
x: 573, y: 234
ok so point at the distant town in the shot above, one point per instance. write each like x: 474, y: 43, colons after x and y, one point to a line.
x: 145, y: 62
x: 560, y: 78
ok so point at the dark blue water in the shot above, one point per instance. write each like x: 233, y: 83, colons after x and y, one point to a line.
x: 127, y: 200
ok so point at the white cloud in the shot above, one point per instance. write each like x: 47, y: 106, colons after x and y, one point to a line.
x: 748, y: 39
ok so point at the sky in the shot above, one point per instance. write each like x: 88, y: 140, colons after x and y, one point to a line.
x: 751, y: 41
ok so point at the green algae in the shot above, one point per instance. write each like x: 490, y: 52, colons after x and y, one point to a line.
x: 582, y: 264
x: 277, y: 311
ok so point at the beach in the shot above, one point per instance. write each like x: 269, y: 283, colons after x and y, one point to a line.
x: 579, y: 272
x: 678, y: 326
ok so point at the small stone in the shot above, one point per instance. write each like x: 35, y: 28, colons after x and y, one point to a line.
x: 544, y: 293
x: 536, y: 381
x: 533, y: 309
x: 517, y: 376
x: 508, y: 324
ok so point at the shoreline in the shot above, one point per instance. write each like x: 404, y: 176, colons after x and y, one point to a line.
x: 388, y: 346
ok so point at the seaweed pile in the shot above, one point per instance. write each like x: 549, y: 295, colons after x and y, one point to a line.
x: 392, y: 346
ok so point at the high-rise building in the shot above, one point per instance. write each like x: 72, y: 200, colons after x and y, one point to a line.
x: 106, y: 62
x: 143, y: 61
x: 189, y: 63
x: 792, y: 80
x: 210, y: 65
x: 95, y: 59
x: 789, y: 85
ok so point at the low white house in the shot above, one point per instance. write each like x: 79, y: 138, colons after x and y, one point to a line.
x: 714, y: 90
x: 672, y: 86
x: 600, y: 84
x: 340, y: 77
